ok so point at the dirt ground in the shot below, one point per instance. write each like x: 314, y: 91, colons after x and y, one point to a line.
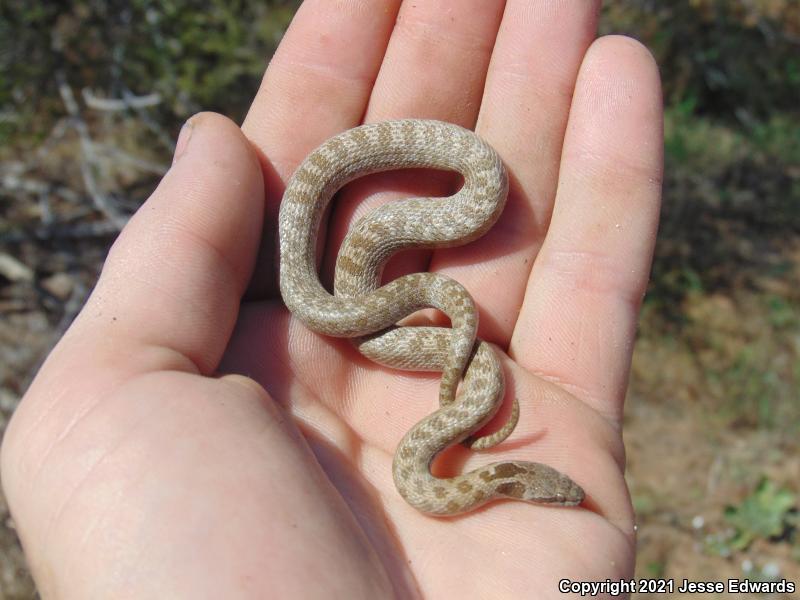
x: 682, y: 474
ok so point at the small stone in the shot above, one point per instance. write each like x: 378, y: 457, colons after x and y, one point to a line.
x: 771, y: 570
x: 59, y: 285
x: 14, y: 270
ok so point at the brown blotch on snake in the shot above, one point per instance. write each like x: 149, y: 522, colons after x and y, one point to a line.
x: 512, y: 489
x: 505, y: 470
x: 361, y: 309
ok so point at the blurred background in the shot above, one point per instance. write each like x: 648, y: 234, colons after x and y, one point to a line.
x: 92, y: 94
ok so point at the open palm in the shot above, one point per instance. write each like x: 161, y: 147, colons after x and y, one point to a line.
x: 133, y: 470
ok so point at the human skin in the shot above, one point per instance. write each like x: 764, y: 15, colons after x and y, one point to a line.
x: 181, y: 441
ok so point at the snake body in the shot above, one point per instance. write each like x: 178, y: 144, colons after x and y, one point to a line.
x: 361, y: 309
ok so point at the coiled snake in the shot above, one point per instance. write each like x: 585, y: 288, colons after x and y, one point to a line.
x: 362, y: 309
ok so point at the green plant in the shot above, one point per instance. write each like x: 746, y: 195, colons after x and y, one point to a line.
x: 764, y: 514
x: 655, y: 569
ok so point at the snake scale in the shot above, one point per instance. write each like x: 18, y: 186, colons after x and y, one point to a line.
x: 361, y: 309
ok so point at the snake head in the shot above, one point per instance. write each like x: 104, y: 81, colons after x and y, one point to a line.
x: 537, y: 483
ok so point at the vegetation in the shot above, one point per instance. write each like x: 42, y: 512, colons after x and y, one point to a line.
x: 723, y: 285
x: 766, y: 513
x: 195, y: 54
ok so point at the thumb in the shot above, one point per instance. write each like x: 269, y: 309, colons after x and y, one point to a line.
x: 174, y: 277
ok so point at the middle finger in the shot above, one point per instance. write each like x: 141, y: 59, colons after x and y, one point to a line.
x: 434, y: 68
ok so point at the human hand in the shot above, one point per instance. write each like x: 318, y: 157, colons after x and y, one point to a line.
x: 133, y: 470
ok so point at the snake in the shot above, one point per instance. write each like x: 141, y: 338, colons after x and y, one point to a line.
x: 361, y: 308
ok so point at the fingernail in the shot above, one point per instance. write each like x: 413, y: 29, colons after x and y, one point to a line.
x: 183, y: 140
